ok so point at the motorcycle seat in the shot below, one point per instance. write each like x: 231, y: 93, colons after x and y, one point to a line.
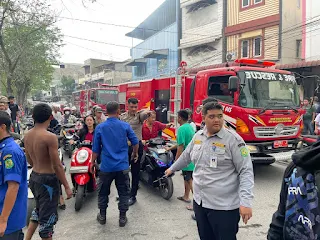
x: 310, y: 136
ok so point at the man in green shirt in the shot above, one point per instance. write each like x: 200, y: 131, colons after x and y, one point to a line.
x: 308, y: 117
x: 184, y: 137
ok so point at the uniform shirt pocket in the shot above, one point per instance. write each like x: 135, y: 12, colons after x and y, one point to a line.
x: 196, y: 151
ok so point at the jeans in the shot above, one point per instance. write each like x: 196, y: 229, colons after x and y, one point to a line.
x: 135, y: 170
x: 216, y: 224
x: 16, y: 126
x: 308, y: 127
x: 122, y: 184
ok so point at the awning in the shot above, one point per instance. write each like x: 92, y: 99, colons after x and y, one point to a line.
x: 201, y: 41
x: 157, y: 53
x: 300, y: 64
x: 137, y: 62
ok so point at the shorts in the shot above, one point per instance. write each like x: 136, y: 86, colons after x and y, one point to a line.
x: 187, y: 175
x: 46, y: 191
x: 18, y: 235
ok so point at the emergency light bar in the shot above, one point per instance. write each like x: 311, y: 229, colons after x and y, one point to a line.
x: 254, y: 62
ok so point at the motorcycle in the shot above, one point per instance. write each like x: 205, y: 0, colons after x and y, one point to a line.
x: 68, y: 131
x: 154, y: 164
x: 307, y: 140
x: 83, y: 181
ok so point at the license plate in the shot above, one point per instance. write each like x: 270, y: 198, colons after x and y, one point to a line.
x: 280, y: 144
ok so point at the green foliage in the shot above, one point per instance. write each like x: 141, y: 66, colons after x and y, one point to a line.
x: 29, y: 45
x: 68, y: 83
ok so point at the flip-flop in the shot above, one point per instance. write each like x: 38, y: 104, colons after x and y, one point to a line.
x: 183, y: 200
x: 190, y: 208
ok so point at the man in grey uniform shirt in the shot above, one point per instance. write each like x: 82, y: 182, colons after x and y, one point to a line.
x: 222, y: 179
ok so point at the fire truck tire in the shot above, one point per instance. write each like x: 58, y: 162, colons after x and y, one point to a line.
x: 79, y: 198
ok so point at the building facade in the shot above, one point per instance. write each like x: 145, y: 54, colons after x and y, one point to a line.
x: 264, y: 29
x: 105, y: 71
x: 201, y: 42
x: 157, y: 54
x: 311, y: 31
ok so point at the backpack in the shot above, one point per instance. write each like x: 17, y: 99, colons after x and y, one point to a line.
x: 302, y: 216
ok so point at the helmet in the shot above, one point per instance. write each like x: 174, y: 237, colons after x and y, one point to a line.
x: 66, y: 109
x: 73, y: 108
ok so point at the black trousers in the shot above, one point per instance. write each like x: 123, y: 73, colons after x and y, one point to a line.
x: 18, y: 235
x: 216, y: 224
x: 122, y: 184
x: 135, y: 170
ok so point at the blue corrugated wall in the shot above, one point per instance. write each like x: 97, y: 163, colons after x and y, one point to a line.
x: 165, y: 39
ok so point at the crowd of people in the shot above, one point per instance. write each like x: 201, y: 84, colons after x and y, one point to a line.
x: 215, y: 162
x: 311, y: 118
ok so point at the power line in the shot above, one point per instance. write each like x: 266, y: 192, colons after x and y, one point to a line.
x: 106, y: 54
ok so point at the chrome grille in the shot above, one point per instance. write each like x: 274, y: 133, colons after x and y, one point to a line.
x: 267, y: 132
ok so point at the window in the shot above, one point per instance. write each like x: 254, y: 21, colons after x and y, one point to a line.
x: 298, y: 48
x: 141, y: 70
x: 257, y: 47
x: 245, y: 3
x: 162, y: 65
x: 248, y: 4
x: 245, y: 48
x: 218, y: 87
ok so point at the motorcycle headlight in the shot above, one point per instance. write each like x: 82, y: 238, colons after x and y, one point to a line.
x: 82, y: 156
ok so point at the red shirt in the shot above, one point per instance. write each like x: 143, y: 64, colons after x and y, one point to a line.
x: 156, y: 127
x: 89, y: 137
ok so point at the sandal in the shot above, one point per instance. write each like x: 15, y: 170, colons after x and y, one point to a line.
x: 62, y: 206
x: 190, y: 208
x: 182, y: 199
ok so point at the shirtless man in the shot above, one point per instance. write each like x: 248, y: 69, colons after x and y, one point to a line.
x: 41, y: 149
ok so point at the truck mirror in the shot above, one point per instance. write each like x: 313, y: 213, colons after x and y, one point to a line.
x: 233, y: 83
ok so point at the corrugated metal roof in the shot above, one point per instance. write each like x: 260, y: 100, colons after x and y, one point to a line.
x: 299, y: 64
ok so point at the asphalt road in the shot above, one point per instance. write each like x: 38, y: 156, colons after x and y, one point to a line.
x: 153, y: 218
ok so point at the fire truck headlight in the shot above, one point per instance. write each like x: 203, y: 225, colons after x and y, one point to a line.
x: 253, y: 149
x: 242, y: 127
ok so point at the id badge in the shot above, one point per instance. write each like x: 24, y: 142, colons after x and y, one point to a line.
x: 214, y: 161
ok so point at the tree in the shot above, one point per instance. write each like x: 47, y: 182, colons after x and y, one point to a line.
x: 29, y: 44
x: 68, y: 84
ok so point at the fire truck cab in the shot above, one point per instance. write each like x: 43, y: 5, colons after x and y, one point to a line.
x: 260, y: 103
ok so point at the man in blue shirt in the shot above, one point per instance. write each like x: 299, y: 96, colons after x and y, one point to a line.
x: 110, y: 142
x: 13, y: 184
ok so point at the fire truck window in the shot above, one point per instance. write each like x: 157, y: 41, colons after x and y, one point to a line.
x: 92, y: 96
x: 218, y: 88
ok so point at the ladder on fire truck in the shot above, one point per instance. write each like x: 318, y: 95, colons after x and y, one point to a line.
x: 177, y: 85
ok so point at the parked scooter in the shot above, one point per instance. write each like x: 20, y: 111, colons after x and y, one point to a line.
x: 68, y: 131
x: 154, y: 164
x: 83, y: 181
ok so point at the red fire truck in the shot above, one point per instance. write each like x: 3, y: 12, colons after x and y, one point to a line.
x: 84, y: 99
x: 260, y: 103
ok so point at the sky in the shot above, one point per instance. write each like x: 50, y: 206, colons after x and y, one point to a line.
x: 120, y: 12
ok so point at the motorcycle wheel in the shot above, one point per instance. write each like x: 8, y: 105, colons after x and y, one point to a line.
x: 79, y: 198
x: 31, y: 206
x: 166, y: 190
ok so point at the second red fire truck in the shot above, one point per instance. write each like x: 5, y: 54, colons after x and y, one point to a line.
x: 260, y: 103
x: 86, y: 98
